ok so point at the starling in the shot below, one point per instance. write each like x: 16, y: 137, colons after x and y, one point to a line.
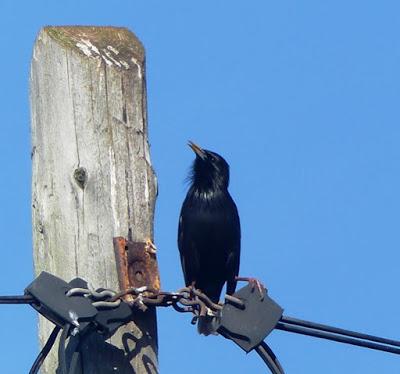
x: 209, y: 227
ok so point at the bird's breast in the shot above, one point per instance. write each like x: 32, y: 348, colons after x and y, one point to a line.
x: 211, y: 216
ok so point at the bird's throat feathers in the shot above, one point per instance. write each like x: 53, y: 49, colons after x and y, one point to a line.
x: 205, y: 194
x: 208, y: 192
x: 207, y: 186
x: 209, y: 175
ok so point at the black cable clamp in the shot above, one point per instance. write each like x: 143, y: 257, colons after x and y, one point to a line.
x: 247, y: 319
x: 74, y: 314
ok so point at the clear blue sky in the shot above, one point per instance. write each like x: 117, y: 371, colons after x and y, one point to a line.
x: 302, y: 98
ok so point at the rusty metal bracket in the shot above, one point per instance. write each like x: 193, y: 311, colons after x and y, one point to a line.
x: 136, y: 266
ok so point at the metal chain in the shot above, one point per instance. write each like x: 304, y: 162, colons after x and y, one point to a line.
x: 185, y: 300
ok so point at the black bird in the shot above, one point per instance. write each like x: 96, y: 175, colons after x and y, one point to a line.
x: 209, y: 227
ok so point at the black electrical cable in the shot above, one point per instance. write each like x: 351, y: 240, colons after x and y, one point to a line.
x: 336, y: 330
x: 75, y: 362
x: 62, y: 361
x: 45, y: 351
x: 268, y: 349
x: 337, y: 338
x: 19, y: 299
x: 269, y: 358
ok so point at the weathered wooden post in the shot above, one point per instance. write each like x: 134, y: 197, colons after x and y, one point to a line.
x: 92, y: 178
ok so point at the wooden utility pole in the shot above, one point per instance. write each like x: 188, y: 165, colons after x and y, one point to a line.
x: 92, y: 178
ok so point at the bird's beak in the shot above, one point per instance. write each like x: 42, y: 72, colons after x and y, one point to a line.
x: 196, y: 149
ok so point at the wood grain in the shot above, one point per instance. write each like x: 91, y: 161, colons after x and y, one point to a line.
x: 92, y: 178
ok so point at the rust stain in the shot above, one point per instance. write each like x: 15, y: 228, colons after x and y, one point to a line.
x: 136, y: 266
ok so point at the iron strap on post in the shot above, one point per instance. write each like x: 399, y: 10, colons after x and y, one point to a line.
x: 136, y: 265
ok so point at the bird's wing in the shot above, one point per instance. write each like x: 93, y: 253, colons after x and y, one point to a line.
x: 233, y: 255
x: 188, y: 253
x: 210, y: 233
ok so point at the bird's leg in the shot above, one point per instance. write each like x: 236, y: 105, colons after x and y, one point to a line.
x: 254, y: 283
x: 193, y: 296
x: 150, y: 247
x: 191, y: 288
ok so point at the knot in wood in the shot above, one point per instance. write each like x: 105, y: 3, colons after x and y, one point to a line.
x: 80, y: 176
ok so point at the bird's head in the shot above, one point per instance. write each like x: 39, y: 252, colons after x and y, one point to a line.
x: 210, y: 171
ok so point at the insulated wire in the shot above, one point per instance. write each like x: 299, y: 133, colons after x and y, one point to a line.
x: 62, y: 361
x: 336, y: 330
x: 20, y: 299
x: 45, y: 351
x: 269, y: 358
x: 336, y: 338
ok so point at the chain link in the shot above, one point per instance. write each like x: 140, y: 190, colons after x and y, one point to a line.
x: 185, y: 300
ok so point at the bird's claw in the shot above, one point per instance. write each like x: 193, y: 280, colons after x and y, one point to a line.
x: 260, y: 287
x: 150, y: 247
x: 254, y: 282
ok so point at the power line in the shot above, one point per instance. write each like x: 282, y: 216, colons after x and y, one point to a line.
x: 20, y: 299
x: 336, y: 337
x: 45, y: 351
x: 265, y: 352
x: 339, y: 331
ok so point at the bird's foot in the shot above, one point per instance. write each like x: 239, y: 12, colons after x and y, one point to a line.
x: 192, y: 288
x: 150, y: 247
x: 190, y: 291
x: 254, y: 282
